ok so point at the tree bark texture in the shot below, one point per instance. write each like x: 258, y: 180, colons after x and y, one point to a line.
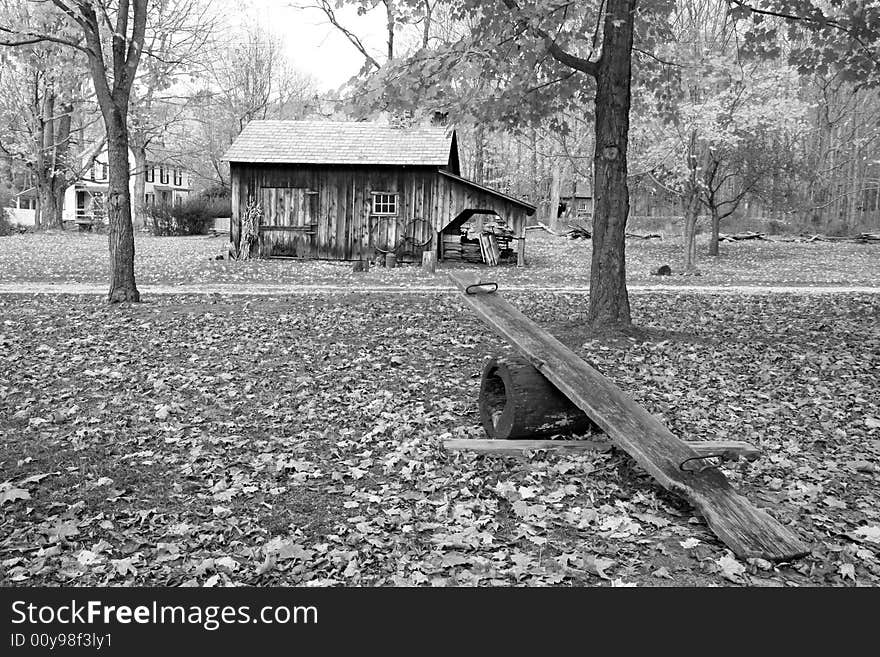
x: 479, y: 153
x: 50, y: 166
x: 713, y: 240
x: 691, y: 214
x: 609, y: 300
x: 118, y: 208
x: 140, y: 184
x: 555, y: 185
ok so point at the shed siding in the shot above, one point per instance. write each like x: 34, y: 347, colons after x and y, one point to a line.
x: 325, y: 211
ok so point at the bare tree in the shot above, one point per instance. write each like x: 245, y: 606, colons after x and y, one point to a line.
x: 111, y: 35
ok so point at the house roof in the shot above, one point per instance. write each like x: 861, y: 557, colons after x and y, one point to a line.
x: 336, y: 142
x: 529, y: 208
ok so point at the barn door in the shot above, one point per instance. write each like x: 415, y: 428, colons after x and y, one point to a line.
x: 290, y: 222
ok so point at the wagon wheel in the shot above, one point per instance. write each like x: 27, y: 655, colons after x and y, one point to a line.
x: 383, y: 246
x: 426, y: 229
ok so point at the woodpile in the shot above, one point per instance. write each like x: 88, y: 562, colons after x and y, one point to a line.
x: 737, y: 237
x: 470, y: 250
x: 646, y: 236
x: 491, y: 246
x: 452, y: 246
x: 578, y: 233
x: 862, y: 238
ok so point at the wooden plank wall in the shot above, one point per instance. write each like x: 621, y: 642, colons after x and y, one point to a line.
x: 328, y: 208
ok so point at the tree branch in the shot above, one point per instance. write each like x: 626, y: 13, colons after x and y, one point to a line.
x: 556, y: 51
x: 30, y: 38
x: 820, y: 21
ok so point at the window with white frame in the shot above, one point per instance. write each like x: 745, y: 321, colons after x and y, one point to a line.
x: 150, y: 173
x: 384, y: 203
x: 178, y: 177
x: 163, y: 175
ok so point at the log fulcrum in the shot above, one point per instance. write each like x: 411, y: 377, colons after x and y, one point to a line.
x: 518, y: 402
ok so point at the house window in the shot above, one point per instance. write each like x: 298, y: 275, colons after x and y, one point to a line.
x: 150, y: 200
x: 150, y: 174
x: 163, y: 175
x: 92, y: 171
x: 178, y: 178
x: 103, y: 171
x: 384, y: 203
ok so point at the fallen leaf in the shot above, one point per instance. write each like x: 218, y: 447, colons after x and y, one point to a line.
x: 13, y: 494
x: 731, y: 568
x: 869, y: 533
x: 597, y: 565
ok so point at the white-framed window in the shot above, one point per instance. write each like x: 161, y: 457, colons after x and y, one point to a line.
x: 150, y: 173
x: 163, y: 175
x: 149, y: 200
x: 384, y: 203
x: 178, y: 177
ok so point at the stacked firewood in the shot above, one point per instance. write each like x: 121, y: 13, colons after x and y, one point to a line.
x: 470, y: 250
x: 452, y: 247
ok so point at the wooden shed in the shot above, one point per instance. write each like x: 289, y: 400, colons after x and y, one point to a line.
x: 347, y: 190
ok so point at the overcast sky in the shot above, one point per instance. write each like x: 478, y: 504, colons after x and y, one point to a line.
x: 314, y: 46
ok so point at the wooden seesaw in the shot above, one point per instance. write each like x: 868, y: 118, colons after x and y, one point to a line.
x: 674, y: 463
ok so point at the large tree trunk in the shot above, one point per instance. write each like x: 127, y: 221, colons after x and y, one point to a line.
x: 60, y: 128
x: 691, y: 213
x: 118, y: 207
x: 609, y: 300
x: 479, y: 153
x: 48, y: 214
x: 53, y: 141
x: 555, y: 184
x: 140, y: 167
x: 713, y: 240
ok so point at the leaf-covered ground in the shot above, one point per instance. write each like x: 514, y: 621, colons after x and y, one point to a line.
x: 71, y: 257
x: 297, y: 440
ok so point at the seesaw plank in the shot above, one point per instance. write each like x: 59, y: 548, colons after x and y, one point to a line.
x: 745, y: 529
x: 726, y: 449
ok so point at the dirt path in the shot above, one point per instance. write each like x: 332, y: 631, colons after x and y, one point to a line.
x: 270, y: 290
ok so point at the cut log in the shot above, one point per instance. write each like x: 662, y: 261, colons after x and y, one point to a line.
x: 429, y: 261
x: 729, y: 450
x: 747, y: 530
x: 646, y: 236
x: 738, y: 237
x: 517, y: 401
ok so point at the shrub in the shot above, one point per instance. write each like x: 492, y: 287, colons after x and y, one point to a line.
x: 6, y: 227
x: 192, y: 217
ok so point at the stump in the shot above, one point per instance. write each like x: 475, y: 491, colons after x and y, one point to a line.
x: 429, y: 262
x: 518, y: 402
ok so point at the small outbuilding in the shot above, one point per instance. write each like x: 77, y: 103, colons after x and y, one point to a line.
x: 349, y: 190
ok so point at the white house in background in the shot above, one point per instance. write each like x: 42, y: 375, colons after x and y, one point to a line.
x: 23, y: 208
x: 166, y: 185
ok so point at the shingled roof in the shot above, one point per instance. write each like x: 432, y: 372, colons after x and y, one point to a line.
x: 335, y: 142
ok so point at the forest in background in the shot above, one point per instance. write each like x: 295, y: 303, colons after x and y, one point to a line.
x: 759, y: 141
